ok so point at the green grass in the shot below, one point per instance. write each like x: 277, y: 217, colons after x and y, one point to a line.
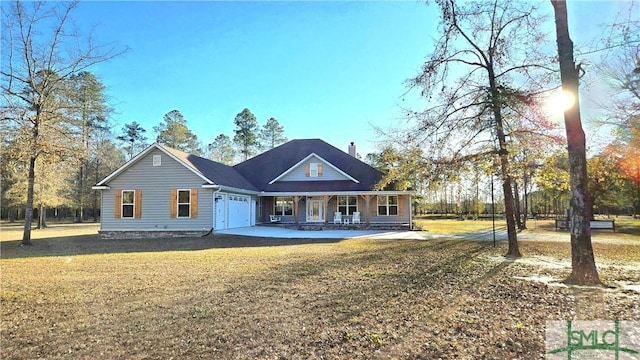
x: 624, y: 225
x: 73, y: 295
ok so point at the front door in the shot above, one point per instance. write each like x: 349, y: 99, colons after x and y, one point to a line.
x: 315, y: 210
x: 221, y: 212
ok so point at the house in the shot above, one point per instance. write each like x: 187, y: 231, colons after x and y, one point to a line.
x: 302, y: 183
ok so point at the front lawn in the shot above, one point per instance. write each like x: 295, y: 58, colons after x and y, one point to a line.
x: 230, y: 297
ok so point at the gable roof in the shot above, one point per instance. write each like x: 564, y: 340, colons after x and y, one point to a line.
x: 211, y: 172
x: 262, y: 169
x: 311, y: 156
x: 217, y: 173
x: 257, y: 174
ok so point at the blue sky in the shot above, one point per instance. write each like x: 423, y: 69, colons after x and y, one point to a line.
x: 329, y: 70
x: 324, y: 69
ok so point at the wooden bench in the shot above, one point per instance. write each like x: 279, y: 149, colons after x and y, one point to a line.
x: 593, y: 224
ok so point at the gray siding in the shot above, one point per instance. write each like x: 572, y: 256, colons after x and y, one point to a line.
x: 299, y: 173
x: 155, y: 183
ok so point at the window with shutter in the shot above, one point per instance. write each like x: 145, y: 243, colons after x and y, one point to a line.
x: 313, y: 169
x: 128, y: 203
x: 184, y: 203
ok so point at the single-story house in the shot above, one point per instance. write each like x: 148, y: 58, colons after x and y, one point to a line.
x: 305, y: 183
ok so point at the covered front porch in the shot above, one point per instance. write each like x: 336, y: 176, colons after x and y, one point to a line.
x: 313, y: 211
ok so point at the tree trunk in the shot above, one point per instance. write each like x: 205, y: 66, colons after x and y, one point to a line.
x: 583, y: 264
x: 514, y: 251
x: 516, y: 203
x: 80, y: 211
x: 525, y: 185
x: 28, y: 213
x: 42, y: 217
x: 95, y: 193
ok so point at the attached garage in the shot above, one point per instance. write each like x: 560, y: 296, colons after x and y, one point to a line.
x: 239, y: 211
x: 232, y: 211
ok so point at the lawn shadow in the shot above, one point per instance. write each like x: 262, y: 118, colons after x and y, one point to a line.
x: 93, y: 244
x: 500, y: 234
x: 448, y: 258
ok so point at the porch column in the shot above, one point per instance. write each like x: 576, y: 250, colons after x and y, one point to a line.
x: 367, y: 204
x: 296, y: 199
x: 326, y: 208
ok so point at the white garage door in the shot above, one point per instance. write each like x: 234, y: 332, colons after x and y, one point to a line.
x: 239, y: 211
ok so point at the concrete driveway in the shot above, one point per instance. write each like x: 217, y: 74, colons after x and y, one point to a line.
x: 283, y: 233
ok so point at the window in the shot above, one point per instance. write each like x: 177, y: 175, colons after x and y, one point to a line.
x: 347, y: 205
x: 388, y: 205
x: 128, y: 203
x: 157, y: 160
x: 184, y: 203
x: 313, y: 170
x: 283, y: 206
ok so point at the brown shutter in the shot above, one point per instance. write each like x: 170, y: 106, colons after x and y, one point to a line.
x: 138, y: 204
x: 307, y: 170
x: 319, y: 170
x: 400, y: 205
x: 194, y: 203
x: 118, y: 206
x: 173, y: 204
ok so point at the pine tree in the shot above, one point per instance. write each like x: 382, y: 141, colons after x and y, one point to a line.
x: 246, y: 133
x: 173, y: 132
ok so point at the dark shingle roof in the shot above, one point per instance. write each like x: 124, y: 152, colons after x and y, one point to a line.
x: 220, y: 174
x: 265, y: 167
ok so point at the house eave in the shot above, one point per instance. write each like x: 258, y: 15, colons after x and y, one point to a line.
x: 341, y: 193
x: 101, y: 187
x: 211, y: 186
x: 238, y: 190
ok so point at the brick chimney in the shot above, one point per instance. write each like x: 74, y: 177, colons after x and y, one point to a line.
x: 352, y: 149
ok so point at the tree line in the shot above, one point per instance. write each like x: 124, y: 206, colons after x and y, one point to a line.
x: 63, y: 184
x: 248, y: 140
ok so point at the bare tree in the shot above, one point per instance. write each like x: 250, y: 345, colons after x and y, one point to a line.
x: 583, y: 264
x: 484, y: 63
x: 41, y: 51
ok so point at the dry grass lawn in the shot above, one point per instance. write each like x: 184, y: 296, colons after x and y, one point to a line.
x: 75, y: 296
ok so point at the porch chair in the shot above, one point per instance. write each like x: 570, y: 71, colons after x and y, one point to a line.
x: 274, y: 219
x: 355, y: 219
x: 337, y: 217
